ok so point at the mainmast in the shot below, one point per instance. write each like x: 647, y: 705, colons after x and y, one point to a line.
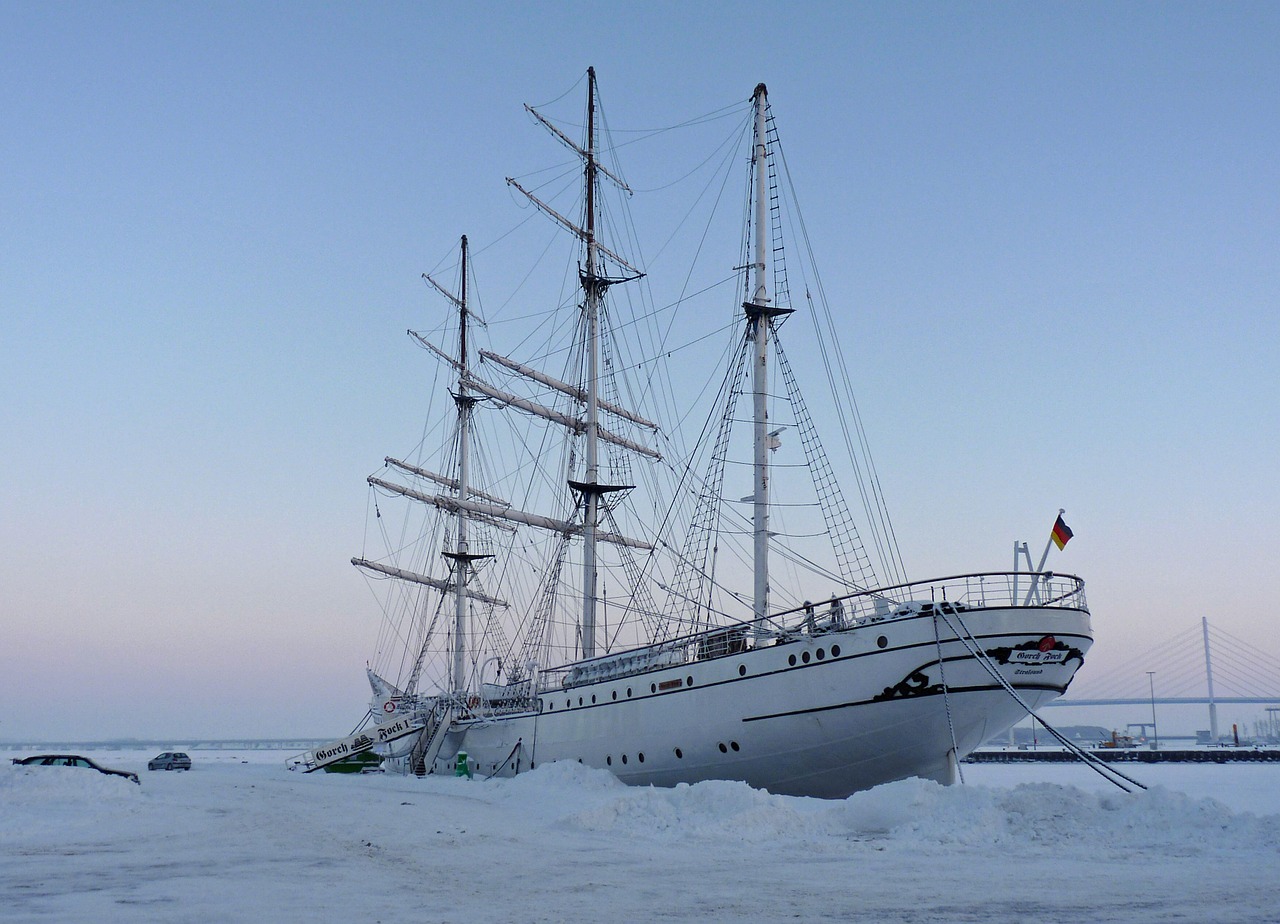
x: 759, y: 315
x: 592, y: 286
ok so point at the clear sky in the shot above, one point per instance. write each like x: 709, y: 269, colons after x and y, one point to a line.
x: 1054, y: 227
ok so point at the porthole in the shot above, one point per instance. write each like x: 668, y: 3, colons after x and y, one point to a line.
x: 679, y: 754
x: 593, y: 699
x: 881, y: 642
x: 609, y: 760
x: 820, y: 654
x: 835, y: 651
x: 688, y: 681
x: 734, y: 745
x: 615, y: 694
x: 568, y: 704
x: 742, y: 670
x: 624, y: 758
x: 804, y: 656
x: 640, y: 757
x: 653, y: 688
x: 628, y: 691
x: 551, y: 707
x: 579, y: 700
x: 791, y: 659
x: 723, y: 749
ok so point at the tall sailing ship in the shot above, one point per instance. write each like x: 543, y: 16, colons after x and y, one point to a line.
x: 650, y: 621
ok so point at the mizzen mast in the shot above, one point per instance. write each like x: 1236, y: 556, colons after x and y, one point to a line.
x: 760, y: 314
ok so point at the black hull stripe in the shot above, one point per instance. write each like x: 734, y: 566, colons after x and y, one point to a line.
x: 988, y: 688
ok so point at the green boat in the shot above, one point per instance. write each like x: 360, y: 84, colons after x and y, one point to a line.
x: 364, y: 762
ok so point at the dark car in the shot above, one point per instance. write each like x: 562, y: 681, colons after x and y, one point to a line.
x: 73, y: 760
x: 170, y: 760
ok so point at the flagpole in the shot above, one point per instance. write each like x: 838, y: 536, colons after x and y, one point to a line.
x: 1035, y: 578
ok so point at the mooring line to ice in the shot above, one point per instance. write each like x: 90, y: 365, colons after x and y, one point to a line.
x: 1092, y: 762
x: 946, y: 698
x: 502, y: 766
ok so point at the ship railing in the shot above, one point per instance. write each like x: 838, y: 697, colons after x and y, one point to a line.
x: 954, y: 594
x: 978, y: 591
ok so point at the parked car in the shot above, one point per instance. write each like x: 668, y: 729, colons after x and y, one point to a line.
x: 73, y: 760
x: 170, y: 760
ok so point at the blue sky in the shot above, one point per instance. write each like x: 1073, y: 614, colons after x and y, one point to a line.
x: 1054, y: 228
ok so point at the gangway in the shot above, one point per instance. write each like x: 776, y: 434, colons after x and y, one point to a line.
x: 361, y: 741
x: 428, y: 744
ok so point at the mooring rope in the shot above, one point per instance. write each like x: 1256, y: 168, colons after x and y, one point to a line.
x: 946, y: 699
x: 1089, y: 760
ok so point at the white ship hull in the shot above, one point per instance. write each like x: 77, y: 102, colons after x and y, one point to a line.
x: 849, y: 716
x: 737, y: 681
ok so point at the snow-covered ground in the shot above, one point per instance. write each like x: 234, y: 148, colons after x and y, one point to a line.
x: 240, y: 838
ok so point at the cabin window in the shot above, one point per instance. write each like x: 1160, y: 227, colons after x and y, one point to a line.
x: 640, y: 757
x: 615, y: 694
x: 624, y: 758
x: 742, y: 670
x: 820, y: 654
x: 791, y: 659
x: 881, y: 642
x: 734, y: 745
x: 804, y: 656
x: 679, y: 754
x: 723, y: 749
x: 835, y: 651
x: 688, y: 681
x: 609, y: 760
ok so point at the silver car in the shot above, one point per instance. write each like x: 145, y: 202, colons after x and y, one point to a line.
x: 170, y: 760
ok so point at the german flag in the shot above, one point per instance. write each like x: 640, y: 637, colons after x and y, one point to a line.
x: 1061, y: 534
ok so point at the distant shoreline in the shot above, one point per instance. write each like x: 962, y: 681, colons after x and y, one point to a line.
x: 193, y: 744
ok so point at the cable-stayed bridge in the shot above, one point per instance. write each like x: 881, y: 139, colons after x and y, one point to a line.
x: 1203, y: 665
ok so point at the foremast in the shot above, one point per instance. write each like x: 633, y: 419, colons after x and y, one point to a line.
x: 462, y: 557
x: 459, y: 503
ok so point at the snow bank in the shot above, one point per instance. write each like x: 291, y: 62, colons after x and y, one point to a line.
x: 1055, y: 816
x: 914, y: 813
x: 33, y: 798
x: 244, y: 839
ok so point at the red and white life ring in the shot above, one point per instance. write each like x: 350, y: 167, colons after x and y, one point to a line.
x: 389, y: 706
